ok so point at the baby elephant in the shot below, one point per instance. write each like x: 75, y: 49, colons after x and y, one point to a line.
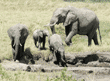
x: 40, y: 37
x: 56, y: 46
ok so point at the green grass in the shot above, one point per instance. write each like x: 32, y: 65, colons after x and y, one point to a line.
x: 37, y: 13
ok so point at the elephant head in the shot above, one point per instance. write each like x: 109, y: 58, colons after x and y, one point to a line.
x: 62, y: 15
x: 46, y: 32
x: 60, y: 54
x: 40, y: 34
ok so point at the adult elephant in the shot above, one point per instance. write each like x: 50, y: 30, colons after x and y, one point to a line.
x: 76, y: 21
x: 18, y: 35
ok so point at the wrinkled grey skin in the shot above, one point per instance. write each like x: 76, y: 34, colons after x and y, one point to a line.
x: 18, y: 35
x: 40, y: 37
x: 76, y: 21
x: 56, y: 46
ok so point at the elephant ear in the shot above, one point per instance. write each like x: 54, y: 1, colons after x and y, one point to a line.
x: 71, y: 17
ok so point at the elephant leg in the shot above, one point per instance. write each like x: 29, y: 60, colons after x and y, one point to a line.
x: 39, y: 45
x: 44, y: 42
x: 54, y: 57
x: 63, y: 61
x: 67, y: 31
x: 53, y: 29
x: 89, y: 40
x: 74, y: 31
x: 95, y: 39
x: 69, y: 37
x: 13, y: 48
x: 93, y: 35
x: 35, y: 42
x: 23, y: 47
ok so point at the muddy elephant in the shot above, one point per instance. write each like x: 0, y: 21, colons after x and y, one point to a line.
x: 76, y: 21
x: 40, y: 37
x: 57, y: 48
x: 18, y: 35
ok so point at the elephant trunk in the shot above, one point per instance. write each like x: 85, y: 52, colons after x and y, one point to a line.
x: 17, y: 44
x: 52, y: 29
x: 62, y: 57
x: 53, y: 21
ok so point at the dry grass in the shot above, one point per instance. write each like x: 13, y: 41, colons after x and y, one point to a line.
x: 35, y: 14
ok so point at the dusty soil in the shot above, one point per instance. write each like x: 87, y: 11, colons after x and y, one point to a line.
x: 88, y: 66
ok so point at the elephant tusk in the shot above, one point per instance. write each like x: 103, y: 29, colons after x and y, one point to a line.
x: 13, y: 45
x: 20, y: 44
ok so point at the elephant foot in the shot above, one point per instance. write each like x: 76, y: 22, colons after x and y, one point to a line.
x: 68, y: 43
x: 62, y: 64
x: 36, y: 46
x: 55, y: 62
x: 43, y: 48
x: 96, y: 44
x: 32, y: 61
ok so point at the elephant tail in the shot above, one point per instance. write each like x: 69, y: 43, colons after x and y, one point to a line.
x: 100, y: 35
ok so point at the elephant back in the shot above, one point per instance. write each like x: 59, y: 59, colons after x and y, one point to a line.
x: 55, y: 38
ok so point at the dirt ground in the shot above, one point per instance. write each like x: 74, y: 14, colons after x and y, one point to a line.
x: 88, y: 66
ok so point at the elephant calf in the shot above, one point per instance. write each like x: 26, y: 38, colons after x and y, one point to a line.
x: 40, y: 37
x: 56, y: 46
